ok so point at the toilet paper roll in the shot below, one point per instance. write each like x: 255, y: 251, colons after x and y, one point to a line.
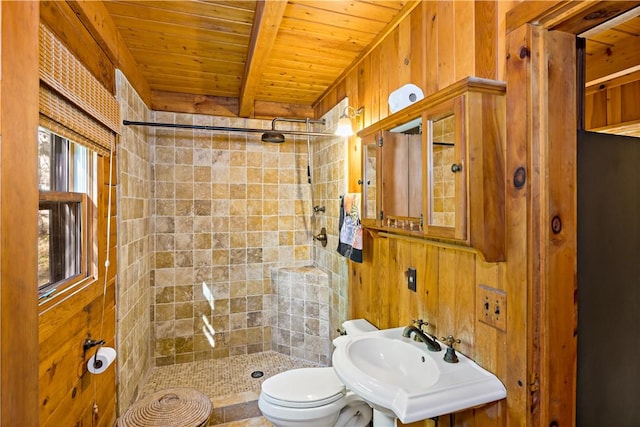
x: 103, y: 358
x: 404, y: 96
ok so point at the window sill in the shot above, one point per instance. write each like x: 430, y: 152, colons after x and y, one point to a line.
x: 60, y: 295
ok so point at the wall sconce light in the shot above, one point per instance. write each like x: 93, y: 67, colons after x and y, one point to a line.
x: 344, y: 123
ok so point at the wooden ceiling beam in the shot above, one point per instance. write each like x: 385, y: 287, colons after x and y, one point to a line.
x: 598, y: 13
x: 266, y: 23
x: 573, y: 17
x: 193, y: 104
x: 223, y: 106
x: 95, y: 17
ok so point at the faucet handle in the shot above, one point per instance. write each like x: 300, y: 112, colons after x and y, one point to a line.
x: 450, y: 355
x: 419, y: 323
x: 449, y: 340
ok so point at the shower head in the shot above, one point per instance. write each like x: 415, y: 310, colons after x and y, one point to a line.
x: 277, y: 137
x: 273, y: 136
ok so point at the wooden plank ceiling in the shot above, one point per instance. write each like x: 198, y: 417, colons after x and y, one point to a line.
x: 612, y: 73
x: 613, y: 48
x: 242, y: 55
x: 288, y: 52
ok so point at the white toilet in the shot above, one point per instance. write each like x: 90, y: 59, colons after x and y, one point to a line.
x: 314, y: 397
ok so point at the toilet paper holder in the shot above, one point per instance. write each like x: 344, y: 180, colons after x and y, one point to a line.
x: 88, y: 343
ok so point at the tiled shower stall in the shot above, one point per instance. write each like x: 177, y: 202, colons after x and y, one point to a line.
x: 216, y: 256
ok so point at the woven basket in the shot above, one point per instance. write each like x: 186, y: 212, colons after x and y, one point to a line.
x: 172, y: 407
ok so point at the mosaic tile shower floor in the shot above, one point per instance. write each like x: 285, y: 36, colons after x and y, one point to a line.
x: 227, y: 382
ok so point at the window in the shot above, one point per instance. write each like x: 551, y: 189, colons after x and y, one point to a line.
x: 65, y: 223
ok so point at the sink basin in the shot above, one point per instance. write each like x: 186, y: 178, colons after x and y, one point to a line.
x: 392, y: 363
x: 400, y: 376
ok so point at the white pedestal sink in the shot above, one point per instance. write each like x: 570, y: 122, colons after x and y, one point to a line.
x: 401, y: 379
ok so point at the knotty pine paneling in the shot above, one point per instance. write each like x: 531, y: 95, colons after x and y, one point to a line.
x: 443, y: 42
x: 430, y: 43
x: 595, y: 110
x: 613, y: 106
x: 67, y: 391
x: 486, y: 30
x: 489, y: 351
x: 445, y: 54
x: 456, y: 297
x: 629, y: 102
x: 390, y: 59
x: 416, y: 33
x: 557, y: 280
x: 445, y: 297
x: 376, y: 96
x: 456, y: 40
x: 18, y: 204
x: 518, y: 216
x: 362, y: 302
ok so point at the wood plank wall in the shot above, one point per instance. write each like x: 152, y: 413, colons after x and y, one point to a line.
x: 18, y: 204
x: 438, y: 44
x: 67, y: 392
x: 62, y: 20
x: 613, y: 105
x: 447, y: 283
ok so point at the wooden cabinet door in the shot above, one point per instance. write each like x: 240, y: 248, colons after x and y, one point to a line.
x: 446, y: 178
x: 371, y: 163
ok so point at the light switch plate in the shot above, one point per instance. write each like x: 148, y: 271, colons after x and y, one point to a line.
x: 492, y: 307
x: 412, y: 277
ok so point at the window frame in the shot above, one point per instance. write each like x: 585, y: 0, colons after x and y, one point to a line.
x: 86, y: 235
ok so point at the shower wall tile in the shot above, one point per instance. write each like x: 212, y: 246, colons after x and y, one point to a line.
x: 329, y: 169
x: 206, y: 219
x: 134, y: 290
x: 226, y: 210
x: 302, y: 305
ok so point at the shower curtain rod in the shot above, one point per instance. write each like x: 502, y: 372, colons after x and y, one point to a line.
x: 222, y: 128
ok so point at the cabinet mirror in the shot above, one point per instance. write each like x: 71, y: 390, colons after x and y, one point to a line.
x: 402, y: 176
x: 369, y: 187
x: 443, y: 168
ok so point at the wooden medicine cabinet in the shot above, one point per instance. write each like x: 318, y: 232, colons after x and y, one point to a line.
x: 435, y: 170
x: 393, y: 190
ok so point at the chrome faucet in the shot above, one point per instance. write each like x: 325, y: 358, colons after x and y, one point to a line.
x: 419, y: 335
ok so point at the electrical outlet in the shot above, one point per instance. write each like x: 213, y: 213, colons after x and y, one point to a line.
x: 411, y: 279
x: 492, y: 307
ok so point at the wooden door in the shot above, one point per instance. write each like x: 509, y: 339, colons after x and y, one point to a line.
x: 608, y: 280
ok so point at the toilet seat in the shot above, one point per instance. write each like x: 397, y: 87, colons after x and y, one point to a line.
x: 303, y: 388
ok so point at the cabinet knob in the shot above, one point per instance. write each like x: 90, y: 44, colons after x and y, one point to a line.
x: 456, y: 167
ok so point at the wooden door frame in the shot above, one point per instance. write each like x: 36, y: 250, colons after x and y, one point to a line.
x: 18, y: 213
x: 541, y: 140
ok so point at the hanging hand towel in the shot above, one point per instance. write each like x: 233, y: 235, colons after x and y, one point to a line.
x: 350, y: 233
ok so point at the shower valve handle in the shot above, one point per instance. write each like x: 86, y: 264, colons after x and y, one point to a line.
x: 322, y: 237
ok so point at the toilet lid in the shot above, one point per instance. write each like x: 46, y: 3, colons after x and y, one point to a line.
x: 304, y: 388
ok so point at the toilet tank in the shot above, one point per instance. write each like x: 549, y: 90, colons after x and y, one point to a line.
x: 358, y: 326
x: 353, y: 327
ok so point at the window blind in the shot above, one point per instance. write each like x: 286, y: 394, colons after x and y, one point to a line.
x: 73, y: 103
